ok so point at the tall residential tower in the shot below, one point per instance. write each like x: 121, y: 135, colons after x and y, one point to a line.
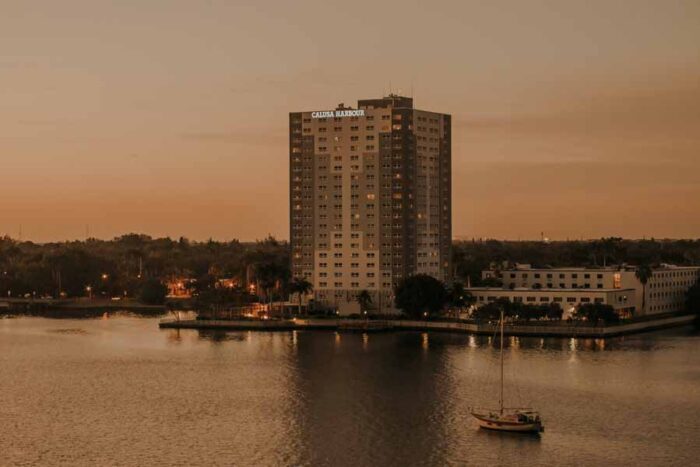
x: 370, y: 198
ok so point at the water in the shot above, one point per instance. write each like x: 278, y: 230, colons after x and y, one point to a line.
x: 122, y: 392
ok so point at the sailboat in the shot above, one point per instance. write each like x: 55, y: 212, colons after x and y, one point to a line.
x: 516, y: 420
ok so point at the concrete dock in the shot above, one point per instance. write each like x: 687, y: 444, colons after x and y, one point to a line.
x: 536, y: 330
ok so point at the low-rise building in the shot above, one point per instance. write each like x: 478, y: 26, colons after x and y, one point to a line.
x: 622, y: 300
x: 618, y: 286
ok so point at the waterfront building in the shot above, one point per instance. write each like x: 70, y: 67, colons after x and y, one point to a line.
x: 370, y: 199
x: 622, y: 300
x: 616, y: 286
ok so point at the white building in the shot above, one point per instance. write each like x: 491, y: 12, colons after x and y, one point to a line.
x: 617, y: 286
x: 622, y: 300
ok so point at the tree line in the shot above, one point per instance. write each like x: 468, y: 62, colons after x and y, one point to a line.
x: 127, y: 265
x: 133, y: 265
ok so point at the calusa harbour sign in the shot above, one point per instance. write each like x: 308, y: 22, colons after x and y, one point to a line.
x: 339, y: 113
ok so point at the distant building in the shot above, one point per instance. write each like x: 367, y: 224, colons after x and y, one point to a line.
x: 179, y: 287
x: 370, y: 198
x: 622, y: 300
x: 616, y: 286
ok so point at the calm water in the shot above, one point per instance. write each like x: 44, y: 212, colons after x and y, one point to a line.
x: 122, y: 392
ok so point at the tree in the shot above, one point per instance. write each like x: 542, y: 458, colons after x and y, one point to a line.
x: 692, y: 299
x: 459, y: 298
x: 153, y: 292
x: 364, y: 299
x: 596, y: 312
x: 300, y: 287
x: 554, y: 311
x: 490, y: 311
x: 644, y: 273
x: 420, y: 295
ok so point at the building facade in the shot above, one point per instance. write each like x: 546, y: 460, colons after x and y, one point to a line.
x: 370, y: 199
x: 622, y: 300
x: 617, y: 286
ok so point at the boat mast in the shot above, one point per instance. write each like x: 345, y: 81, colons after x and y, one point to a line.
x: 501, y: 399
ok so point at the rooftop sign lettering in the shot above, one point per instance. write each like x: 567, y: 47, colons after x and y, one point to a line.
x: 339, y: 113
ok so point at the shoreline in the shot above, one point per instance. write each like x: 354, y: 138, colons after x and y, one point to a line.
x: 66, y: 309
x: 354, y: 325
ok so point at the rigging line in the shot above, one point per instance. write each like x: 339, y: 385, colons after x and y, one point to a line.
x: 492, y: 379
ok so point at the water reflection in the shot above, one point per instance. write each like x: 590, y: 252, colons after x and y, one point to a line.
x: 217, y: 336
x: 380, y: 385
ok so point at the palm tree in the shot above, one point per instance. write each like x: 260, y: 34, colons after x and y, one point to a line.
x: 364, y: 299
x: 644, y: 273
x: 300, y: 287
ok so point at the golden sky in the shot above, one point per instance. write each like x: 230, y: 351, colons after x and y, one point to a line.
x: 572, y: 118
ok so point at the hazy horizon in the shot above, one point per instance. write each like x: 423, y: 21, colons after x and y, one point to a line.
x: 579, y: 120
x: 280, y: 239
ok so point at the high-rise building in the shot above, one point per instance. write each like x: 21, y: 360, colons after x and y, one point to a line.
x: 370, y: 199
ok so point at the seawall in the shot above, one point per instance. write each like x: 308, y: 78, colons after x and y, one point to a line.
x: 564, y: 330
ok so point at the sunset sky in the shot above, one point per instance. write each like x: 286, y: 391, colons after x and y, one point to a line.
x: 578, y: 119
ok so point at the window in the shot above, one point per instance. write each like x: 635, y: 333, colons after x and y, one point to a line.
x: 617, y: 280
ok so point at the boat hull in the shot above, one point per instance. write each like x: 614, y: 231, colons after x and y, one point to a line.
x: 489, y: 423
